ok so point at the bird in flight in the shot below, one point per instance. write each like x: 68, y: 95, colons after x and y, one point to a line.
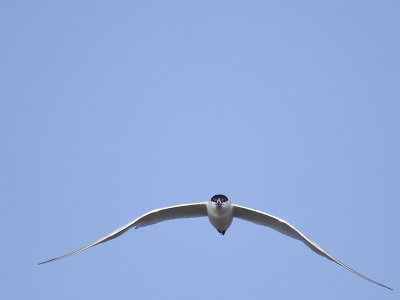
x: 220, y: 212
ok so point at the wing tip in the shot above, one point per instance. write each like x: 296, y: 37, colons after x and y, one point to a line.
x: 44, y: 262
x: 385, y: 286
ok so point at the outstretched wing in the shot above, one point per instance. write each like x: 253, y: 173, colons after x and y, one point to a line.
x: 150, y: 218
x: 262, y: 218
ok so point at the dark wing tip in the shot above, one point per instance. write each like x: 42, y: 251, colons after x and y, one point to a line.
x: 46, y: 261
x: 385, y: 286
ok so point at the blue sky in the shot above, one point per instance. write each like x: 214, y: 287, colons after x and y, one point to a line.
x: 109, y: 109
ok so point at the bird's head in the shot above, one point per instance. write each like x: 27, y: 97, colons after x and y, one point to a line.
x: 218, y: 200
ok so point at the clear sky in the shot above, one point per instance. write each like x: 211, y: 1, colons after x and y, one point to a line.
x: 109, y: 109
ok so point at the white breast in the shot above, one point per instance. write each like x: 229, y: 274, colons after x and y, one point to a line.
x: 220, y: 216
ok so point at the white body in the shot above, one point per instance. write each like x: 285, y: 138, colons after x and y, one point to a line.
x: 221, y: 217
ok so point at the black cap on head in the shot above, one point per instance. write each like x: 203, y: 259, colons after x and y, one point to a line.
x: 219, y: 197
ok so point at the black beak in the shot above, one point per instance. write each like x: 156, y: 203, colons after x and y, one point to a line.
x: 219, y: 203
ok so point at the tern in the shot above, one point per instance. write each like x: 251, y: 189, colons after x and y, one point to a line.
x: 220, y: 212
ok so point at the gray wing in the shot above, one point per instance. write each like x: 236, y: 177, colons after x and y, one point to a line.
x: 262, y: 218
x: 150, y: 218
